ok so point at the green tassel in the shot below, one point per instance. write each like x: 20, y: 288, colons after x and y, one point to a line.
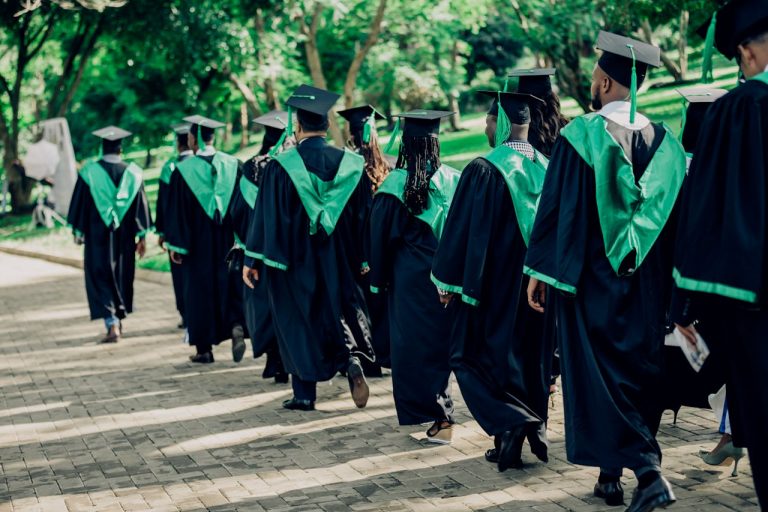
x: 707, y: 71
x: 200, y: 141
x: 393, y: 138
x: 506, y: 84
x: 288, y: 131
x: 683, y: 118
x: 370, y: 126
x: 503, y: 126
x: 633, y: 87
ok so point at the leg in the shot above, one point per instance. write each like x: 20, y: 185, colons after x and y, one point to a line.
x: 304, y: 395
x: 112, y: 324
x: 608, y: 487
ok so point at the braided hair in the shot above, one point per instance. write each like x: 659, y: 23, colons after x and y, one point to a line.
x: 420, y: 156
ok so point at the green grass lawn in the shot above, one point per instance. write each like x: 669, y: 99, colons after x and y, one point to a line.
x: 658, y: 101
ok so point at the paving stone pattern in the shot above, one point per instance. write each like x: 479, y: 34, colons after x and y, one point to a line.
x: 134, y: 426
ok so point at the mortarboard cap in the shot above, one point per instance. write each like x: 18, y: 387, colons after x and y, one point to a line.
x: 617, y: 57
x: 737, y: 22
x: 358, y: 116
x: 535, y: 81
x: 697, y: 101
x: 313, y: 100
x: 204, y: 122
x: 276, y: 119
x: 112, y: 133
x: 181, y: 128
x: 516, y: 105
x: 423, y: 123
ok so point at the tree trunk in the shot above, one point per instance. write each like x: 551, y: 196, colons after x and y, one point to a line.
x: 270, y: 94
x: 682, y: 43
x: 243, y: 125
x: 148, y: 159
x: 374, y: 29
x: 314, y: 63
x: 669, y: 64
x: 453, y: 95
x: 248, y: 96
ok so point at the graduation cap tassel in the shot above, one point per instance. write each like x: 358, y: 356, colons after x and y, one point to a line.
x: 393, y: 138
x: 506, y: 84
x: 503, y: 126
x: 288, y: 131
x: 707, y: 71
x: 368, y: 128
x: 633, y: 87
x: 683, y: 118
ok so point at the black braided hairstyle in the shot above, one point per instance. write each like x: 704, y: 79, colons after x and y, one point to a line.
x: 420, y: 156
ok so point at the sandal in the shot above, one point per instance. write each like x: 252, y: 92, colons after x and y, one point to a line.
x: 440, y: 432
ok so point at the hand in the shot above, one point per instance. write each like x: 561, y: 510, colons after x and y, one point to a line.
x: 250, y: 276
x: 176, y: 258
x: 161, y: 242
x: 141, y: 247
x: 688, y: 332
x: 537, y: 294
x: 446, y: 299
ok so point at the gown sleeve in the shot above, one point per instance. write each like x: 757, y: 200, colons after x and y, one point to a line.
x: 162, y: 200
x: 277, y: 220
x: 388, y: 221
x: 178, y: 211
x: 558, y: 243
x: 143, y: 214
x: 80, y: 208
x: 461, y: 257
x: 721, y: 245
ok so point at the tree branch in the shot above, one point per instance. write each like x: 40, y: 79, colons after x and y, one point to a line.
x: 357, y: 62
x: 49, y: 24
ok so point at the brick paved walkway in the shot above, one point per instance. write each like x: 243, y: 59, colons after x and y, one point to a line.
x: 135, y: 427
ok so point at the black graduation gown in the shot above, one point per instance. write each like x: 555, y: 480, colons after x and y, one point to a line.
x: 498, y: 352
x: 256, y: 309
x: 211, y: 309
x: 377, y: 305
x: 402, y: 249
x: 109, y: 255
x: 611, y: 333
x: 160, y: 228
x: 722, y: 241
x: 318, y: 307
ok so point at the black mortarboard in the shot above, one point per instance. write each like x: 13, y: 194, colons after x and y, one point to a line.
x: 312, y: 104
x: 535, y: 81
x: 181, y: 128
x: 423, y: 123
x: 697, y: 102
x: 617, y: 57
x: 112, y: 133
x: 516, y: 105
x: 276, y: 119
x: 737, y: 22
x: 203, y: 128
x: 358, y: 116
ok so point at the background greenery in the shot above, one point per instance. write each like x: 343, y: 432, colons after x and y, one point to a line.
x: 144, y: 64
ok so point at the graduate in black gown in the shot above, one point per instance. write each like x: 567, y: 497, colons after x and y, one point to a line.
x: 308, y: 230
x: 364, y: 140
x: 721, y: 259
x: 258, y: 317
x: 602, y: 240
x: 498, y: 349
x: 182, y: 153
x: 407, y: 220
x: 109, y: 213
x: 547, y: 120
x: 199, y: 234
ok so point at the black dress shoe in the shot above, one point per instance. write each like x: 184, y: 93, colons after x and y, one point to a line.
x: 657, y: 494
x: 206, y: 358
x: 357, y: 384
x: 537, y: 440
x: 492, y: 455
x: 238, y: 343
x: 510, y: 449
x: 611, y: 492
x: 294, y: 404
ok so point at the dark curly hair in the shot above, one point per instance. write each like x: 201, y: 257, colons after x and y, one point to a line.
x: 420, y: 156
x: 546, y: 122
